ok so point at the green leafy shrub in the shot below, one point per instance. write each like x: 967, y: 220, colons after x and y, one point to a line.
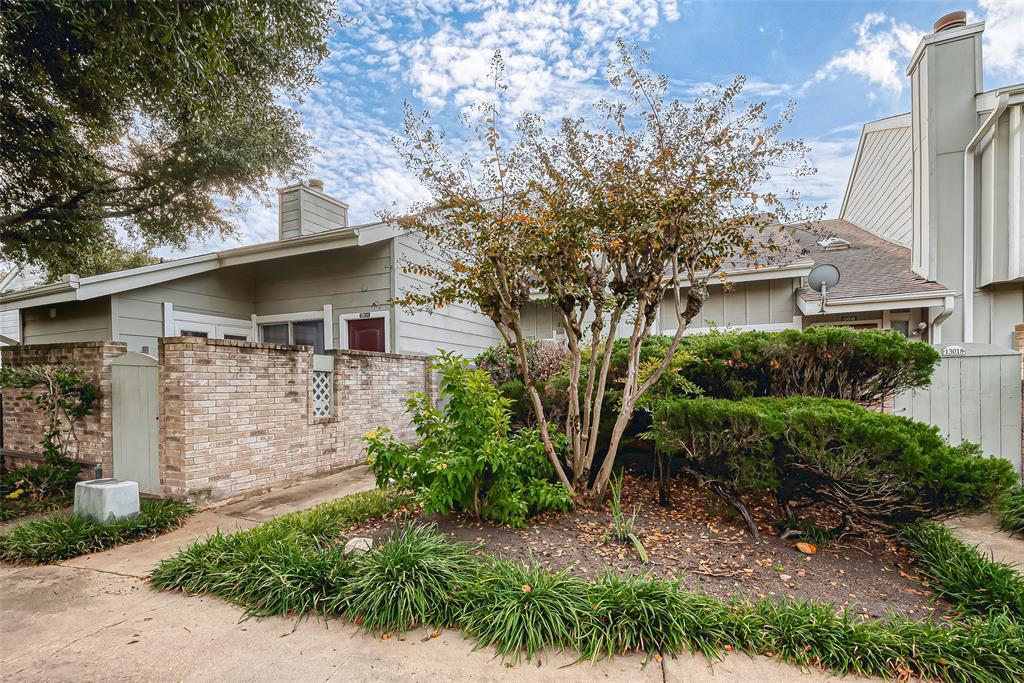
x: 870, y: 466
x: 60, y: 536
x: 410, y: 580
x: 40, y: 481
x: 467, y: 459
x: 961, y: 574
x: 65, y: 395
x: 1011, y: 511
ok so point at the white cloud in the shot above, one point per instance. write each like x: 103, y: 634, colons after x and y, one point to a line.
x: 1004, y: 37
x: 437, y: 53
x: 883, y: 48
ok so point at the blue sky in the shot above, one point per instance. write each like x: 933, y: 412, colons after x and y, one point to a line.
x: 841, y: 62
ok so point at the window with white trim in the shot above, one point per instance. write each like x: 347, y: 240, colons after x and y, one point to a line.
x: 302, y: 332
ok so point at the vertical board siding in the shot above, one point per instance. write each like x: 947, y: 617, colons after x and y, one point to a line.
x: 975, y: 398
x: 351, y: 280
x: 745, y: 303
x: 880, y: 195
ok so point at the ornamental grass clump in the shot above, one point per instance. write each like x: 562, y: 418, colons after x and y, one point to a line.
x: 641, y: 614
x: 961, y: 574
x: 60, y: 536
x: 523, y: 608
x: 1011, y: 511
x: 412, y: 579
x: 419, y: 577
x: 289, y: 565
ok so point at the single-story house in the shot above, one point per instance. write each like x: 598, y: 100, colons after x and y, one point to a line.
x: 323, y: 283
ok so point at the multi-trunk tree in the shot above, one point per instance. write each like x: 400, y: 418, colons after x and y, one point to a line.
x: 613, y: 221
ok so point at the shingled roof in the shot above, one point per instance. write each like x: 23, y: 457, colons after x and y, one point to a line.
x: 870, y: 266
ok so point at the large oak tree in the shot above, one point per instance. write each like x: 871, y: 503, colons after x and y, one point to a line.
x: 128, y: 125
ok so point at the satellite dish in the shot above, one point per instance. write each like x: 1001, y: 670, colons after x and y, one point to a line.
x: 823, y: 278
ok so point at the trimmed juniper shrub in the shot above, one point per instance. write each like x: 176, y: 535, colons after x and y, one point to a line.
x: 872, y: 467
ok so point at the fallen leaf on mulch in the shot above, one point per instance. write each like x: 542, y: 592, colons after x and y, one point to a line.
x: 806, y: 548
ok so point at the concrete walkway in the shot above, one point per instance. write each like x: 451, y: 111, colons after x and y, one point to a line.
x: 983, y: 531
x: 95, y: 618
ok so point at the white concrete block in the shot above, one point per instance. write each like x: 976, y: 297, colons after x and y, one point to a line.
x: 103, y: 499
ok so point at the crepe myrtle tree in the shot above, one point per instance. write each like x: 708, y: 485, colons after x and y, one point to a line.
x: 603, y: 218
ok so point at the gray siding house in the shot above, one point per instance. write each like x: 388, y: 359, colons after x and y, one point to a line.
x: 323, y: 283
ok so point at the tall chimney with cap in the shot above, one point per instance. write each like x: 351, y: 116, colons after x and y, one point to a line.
x: 945, y: 76
x: 305, y: 209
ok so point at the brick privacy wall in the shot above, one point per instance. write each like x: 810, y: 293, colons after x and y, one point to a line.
x: 237, y: 416
x: 23, y: 421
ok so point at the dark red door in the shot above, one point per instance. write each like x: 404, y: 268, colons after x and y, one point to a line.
x: 366, y: 334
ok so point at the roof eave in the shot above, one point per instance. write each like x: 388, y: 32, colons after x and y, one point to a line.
x: 882, y: 302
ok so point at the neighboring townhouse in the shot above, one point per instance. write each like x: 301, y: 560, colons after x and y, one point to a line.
x: 944, y: 182
x: 323, y: 283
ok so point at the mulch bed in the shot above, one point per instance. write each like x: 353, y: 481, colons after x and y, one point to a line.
x: 703, y: 542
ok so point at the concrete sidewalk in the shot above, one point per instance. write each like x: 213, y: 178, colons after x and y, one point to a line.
x: 983, y: 531
x: 94, y: 618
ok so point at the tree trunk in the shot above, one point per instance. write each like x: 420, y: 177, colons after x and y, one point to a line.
x: 663, y: 475
x: 732, y: 498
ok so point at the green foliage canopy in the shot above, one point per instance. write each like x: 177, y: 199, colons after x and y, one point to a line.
x: 132, y: 120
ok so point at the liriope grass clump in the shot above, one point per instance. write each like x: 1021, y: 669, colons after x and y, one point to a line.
x: 522, y: 608
x: 289, y: 565
x: 419, y: 577
x: 411, y: 579
x: 1011, y: 511
x: 961, y: 573
x: 62, y: 536
x: 647, y: 615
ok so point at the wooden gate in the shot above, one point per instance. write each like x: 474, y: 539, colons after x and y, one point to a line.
x: 135, y: 418
x: 975, y: 395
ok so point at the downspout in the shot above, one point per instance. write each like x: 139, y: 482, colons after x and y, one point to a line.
x: 947, y: 310
x: 974, y: 146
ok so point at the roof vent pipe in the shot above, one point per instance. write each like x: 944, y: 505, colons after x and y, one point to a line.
x: 951, y: 20
x: 316, y: 184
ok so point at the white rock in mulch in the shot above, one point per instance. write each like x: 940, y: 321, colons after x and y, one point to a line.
x: 357, y: 546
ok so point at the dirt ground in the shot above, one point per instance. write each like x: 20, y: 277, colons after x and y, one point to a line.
x: 703, y: 543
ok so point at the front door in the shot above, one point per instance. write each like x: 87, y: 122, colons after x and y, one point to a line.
x: 366, y: 334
